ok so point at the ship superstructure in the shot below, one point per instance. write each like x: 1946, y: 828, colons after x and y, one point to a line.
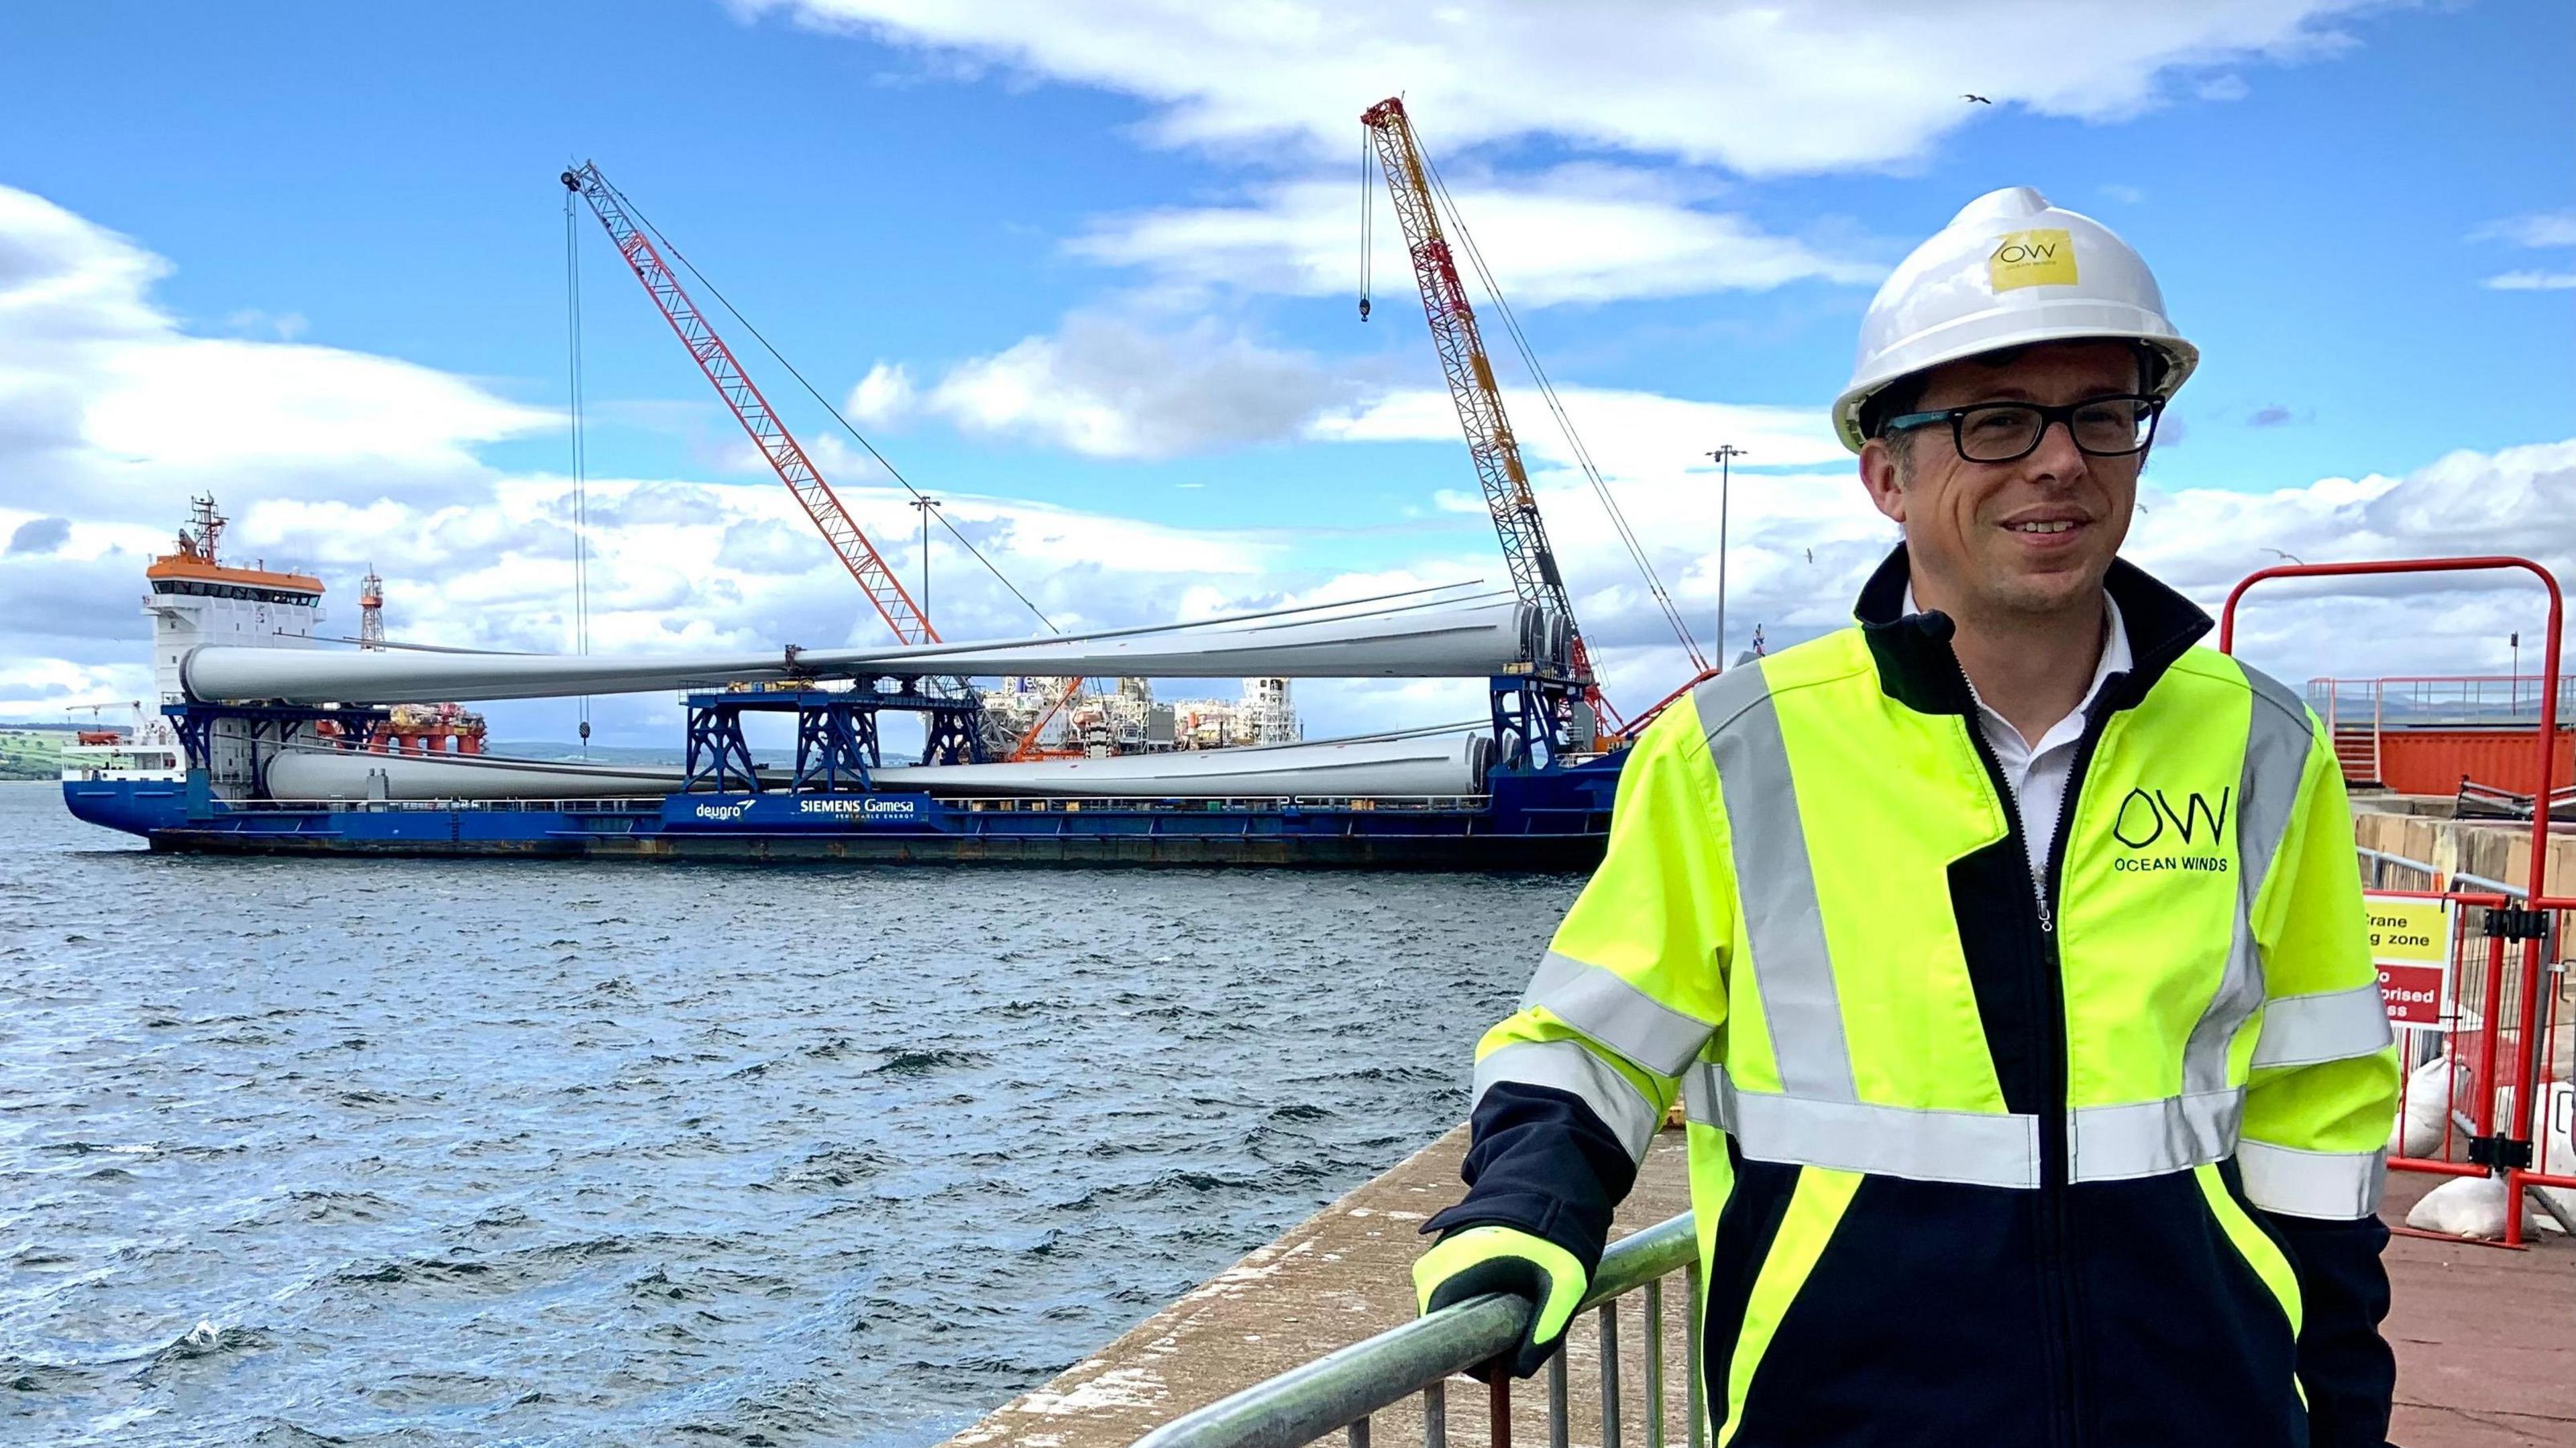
x: 197, y: 598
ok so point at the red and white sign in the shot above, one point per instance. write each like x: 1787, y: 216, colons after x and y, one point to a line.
x: 2411, y: 938
x: 2413, y: 995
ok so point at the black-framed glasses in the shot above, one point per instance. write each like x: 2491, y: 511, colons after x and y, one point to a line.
x: 2001, y: 432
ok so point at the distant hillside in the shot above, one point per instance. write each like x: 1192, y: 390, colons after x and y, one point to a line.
x: 610, y: 754
x: 32, y: 753
x: 557, y: 749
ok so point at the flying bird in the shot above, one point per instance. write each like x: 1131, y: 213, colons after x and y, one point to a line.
x: 1978, y: 99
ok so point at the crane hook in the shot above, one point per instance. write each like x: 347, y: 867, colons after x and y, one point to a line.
x: 1364, y: 309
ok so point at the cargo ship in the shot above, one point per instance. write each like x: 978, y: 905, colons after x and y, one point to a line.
x: 256, y: 748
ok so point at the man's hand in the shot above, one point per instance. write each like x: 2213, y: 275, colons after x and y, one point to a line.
x: 1504, y: 1259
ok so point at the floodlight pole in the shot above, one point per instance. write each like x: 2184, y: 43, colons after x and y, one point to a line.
x: 1726, y: 454
x: 924, y: 507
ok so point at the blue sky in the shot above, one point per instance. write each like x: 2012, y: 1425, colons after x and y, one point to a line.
x: 1111, y: 251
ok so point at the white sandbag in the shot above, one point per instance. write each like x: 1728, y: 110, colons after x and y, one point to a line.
x: 2417, y: 1131
x: 2556, y: 1133
x: 2468, y: 1207
x: 2548, y: 1155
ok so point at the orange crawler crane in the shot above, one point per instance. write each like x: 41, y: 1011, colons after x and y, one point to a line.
x: 1461, y: 345
x: 1415, y: 188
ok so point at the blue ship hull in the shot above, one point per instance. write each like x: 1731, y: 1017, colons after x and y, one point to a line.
x: 1546, y: 819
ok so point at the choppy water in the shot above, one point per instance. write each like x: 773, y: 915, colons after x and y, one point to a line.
x: 431, y: 1153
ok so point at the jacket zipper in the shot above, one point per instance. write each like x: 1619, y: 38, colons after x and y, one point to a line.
x: 2049, y: 986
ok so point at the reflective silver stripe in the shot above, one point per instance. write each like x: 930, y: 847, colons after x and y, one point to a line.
x: 1968, y: 1147
x: 2329, y: 1026
x: 2151, y: 1138
x: 1784, y: 926
x: 2278, y: 738
x: 2339, y: 1186
x: 1568, y: 1067
x: 1601, y: 1004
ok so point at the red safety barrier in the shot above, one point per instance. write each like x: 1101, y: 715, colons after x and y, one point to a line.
x: 2504, y: 1057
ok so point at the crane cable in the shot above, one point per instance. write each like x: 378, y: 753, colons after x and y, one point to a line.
x: 1556, y: 407
x: 1368, y: 216
x: 580, y: 456
x: 810, y: 391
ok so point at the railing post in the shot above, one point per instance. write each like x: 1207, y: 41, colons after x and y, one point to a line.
x: 1655, y: 1364
x: 1694, y: 1373
x: 2378, y: 729
x: 1610, y: 1374
x: 1559, y: 1430
x: 1498, y: 1408
x: 1435, y: 1416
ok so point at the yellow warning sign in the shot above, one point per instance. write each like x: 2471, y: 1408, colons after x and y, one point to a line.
x: 2408, y: 930
x: 2045, y: 257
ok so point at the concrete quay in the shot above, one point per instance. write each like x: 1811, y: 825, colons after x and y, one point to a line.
x: 2485, y: 1337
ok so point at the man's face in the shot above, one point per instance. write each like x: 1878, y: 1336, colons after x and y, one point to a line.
x: 2031, y: 536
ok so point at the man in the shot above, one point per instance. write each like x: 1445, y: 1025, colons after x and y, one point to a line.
x: 2006, y: 951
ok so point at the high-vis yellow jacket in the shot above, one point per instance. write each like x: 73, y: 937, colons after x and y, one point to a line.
x: 1979, y: 1156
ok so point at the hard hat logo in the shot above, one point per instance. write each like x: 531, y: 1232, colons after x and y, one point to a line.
x: 2032, y: 259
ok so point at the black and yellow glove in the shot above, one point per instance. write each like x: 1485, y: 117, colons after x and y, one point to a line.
x: 1505, y: 1259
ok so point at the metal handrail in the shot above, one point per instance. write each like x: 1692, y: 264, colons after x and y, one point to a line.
x: 2434, y: 700
x: 1343, y: 1388
x: 582, y: 804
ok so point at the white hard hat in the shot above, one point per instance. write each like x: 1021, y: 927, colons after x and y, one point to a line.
x: 2008, y: 270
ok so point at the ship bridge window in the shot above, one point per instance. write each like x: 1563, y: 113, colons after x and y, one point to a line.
x: 242, y: 591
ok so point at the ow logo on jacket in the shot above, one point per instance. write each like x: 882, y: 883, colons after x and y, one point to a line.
x: 1978, y: 1156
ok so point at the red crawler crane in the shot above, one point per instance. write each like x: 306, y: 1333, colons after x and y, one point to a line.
x: 770, y: 435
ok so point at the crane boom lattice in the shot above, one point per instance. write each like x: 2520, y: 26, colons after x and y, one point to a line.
x: 1470, y: 373
x: 758, y: 419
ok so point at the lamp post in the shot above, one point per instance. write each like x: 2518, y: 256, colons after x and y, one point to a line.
x: 925, y: 506
x: 1726, y: 455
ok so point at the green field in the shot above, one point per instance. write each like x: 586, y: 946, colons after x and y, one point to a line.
x: 32, y: 753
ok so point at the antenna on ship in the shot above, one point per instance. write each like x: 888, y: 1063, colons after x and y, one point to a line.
x: 208, y: 525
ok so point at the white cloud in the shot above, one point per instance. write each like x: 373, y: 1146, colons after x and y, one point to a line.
x: 2531, y: 281
x: 2121, y: 192
x: 103, y: 396
x: 2223, y: 88
x: 2533, y: 229
x: 1580, y: 233
x: 2513, y: 500
x: 284, y: 326
x: 1630, y: 434
x: 883, y: 396
x: 194, y: 401
x: 2538, y: 228
x: 1105, y: 388
x: 1759, y: 88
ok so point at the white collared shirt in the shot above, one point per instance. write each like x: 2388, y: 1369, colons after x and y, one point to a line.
x: 2038, y: 772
